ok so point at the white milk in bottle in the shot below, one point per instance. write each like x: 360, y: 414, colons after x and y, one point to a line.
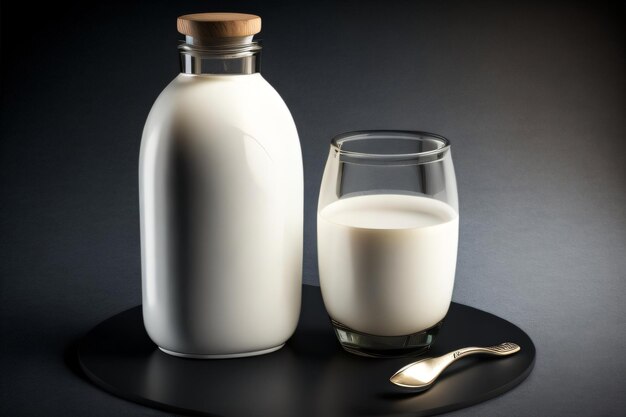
x: 221, y: 195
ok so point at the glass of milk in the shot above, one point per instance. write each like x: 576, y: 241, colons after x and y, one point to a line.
x: 387, y: 233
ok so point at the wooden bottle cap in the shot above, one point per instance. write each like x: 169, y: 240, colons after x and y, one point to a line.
x: 207, y: 26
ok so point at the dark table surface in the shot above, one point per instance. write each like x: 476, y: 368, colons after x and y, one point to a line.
x: 531, y: 95
x: 311, y: 375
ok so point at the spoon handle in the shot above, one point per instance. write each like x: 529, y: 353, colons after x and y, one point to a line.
x: 502, y: 349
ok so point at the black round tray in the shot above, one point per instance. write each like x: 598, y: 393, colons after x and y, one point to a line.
x: 310, y: 376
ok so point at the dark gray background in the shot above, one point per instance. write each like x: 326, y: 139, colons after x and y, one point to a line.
x: 531, y: 95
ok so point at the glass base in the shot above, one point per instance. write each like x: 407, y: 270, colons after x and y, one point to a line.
x: 373, y: 346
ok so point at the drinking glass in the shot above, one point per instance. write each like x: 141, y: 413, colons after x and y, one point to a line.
x: 387, y: 233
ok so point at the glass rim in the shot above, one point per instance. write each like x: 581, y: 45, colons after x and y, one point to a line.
x: 337, y: 141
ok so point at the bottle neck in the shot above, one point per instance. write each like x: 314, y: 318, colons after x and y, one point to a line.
x: 229, y: 56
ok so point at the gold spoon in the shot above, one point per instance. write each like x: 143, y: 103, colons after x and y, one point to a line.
x: 420, y: 375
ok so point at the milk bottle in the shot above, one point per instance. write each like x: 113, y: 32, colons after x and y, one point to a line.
x: 221, y: 199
